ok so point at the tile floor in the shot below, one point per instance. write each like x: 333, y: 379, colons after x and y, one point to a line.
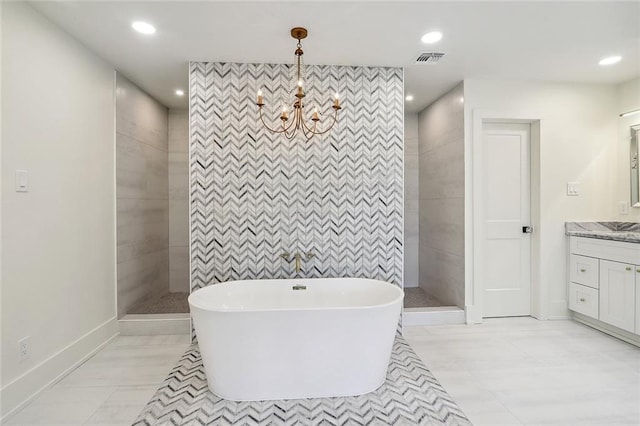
x: 516, y: 371
x: 511, y: 371
x: 109, y: 389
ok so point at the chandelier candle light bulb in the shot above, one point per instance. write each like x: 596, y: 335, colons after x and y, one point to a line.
x: 298, y: 122
x: 300, y: 93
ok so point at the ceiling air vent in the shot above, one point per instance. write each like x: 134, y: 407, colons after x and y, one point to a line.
x: 429, y: 58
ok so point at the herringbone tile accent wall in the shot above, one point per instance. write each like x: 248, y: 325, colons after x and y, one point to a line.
x: 255, y: 195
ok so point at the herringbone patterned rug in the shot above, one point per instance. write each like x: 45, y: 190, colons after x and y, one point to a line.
x: 410, y: 396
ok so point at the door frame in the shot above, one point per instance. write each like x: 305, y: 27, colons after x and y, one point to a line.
x: 475, y: 206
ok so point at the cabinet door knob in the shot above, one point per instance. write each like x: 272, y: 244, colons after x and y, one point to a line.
x: 582, y: 299
x: 628, y: 268
x: 583, y: 270
x: 637, y: 270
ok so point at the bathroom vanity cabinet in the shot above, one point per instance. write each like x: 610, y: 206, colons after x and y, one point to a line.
x: 604, y: 284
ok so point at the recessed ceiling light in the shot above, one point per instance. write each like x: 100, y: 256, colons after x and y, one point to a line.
x: 180, y: 92
x: 143, y: 27
x: 610, y: 60
x: 431, y: 37
x: 409, y: 98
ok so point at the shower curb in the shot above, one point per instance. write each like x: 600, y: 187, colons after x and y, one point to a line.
x: 441, y: 315
x: 154, y: 324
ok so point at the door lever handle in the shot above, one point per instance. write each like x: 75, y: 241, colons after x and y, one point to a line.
x: 527, y: 229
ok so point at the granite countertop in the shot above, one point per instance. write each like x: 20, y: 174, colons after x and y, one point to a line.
x: 618, y: 231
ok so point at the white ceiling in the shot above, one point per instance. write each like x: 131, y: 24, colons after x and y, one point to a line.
x: 550, y: 41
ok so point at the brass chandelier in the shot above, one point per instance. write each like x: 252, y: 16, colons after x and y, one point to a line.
x: 288, y: 127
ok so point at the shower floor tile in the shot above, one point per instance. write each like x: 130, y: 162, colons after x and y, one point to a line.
x: 170, y: 303
x: 416, y: 297
x: 411, y: 395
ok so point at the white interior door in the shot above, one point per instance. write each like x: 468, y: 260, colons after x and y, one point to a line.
x: 506, y: 195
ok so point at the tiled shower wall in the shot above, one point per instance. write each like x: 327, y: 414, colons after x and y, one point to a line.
x: 178, y: 201
x: 142, y: 196
x: 441, y: 157
x: 256, y: 195
x: 411, y: 200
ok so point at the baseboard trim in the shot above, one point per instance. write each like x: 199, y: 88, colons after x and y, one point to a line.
x: 16, y: 394
x: 558, y: 309
x: 611, y: 330
x: 472, y: 314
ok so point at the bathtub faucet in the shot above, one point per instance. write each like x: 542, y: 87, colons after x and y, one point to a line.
x: 298, y: 257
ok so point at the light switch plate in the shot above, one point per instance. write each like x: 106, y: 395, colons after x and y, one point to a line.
x: 573, y: 188
x: 22, y: 181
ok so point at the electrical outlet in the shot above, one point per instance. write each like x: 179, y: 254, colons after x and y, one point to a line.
x: 623, y: 207
x: 24, y: 348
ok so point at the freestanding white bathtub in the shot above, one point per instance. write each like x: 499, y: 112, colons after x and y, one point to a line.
x: 299, y: 338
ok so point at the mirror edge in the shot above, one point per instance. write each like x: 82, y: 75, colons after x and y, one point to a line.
x: 634, y: 153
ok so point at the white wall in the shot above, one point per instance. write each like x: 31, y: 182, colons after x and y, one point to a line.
x: 411, y: 200
x: 628, y: 97
x: 58, y: 241
x: 578, y: 132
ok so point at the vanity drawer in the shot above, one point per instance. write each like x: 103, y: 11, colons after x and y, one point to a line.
x: 583, y: 270
x: 583, y: 299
